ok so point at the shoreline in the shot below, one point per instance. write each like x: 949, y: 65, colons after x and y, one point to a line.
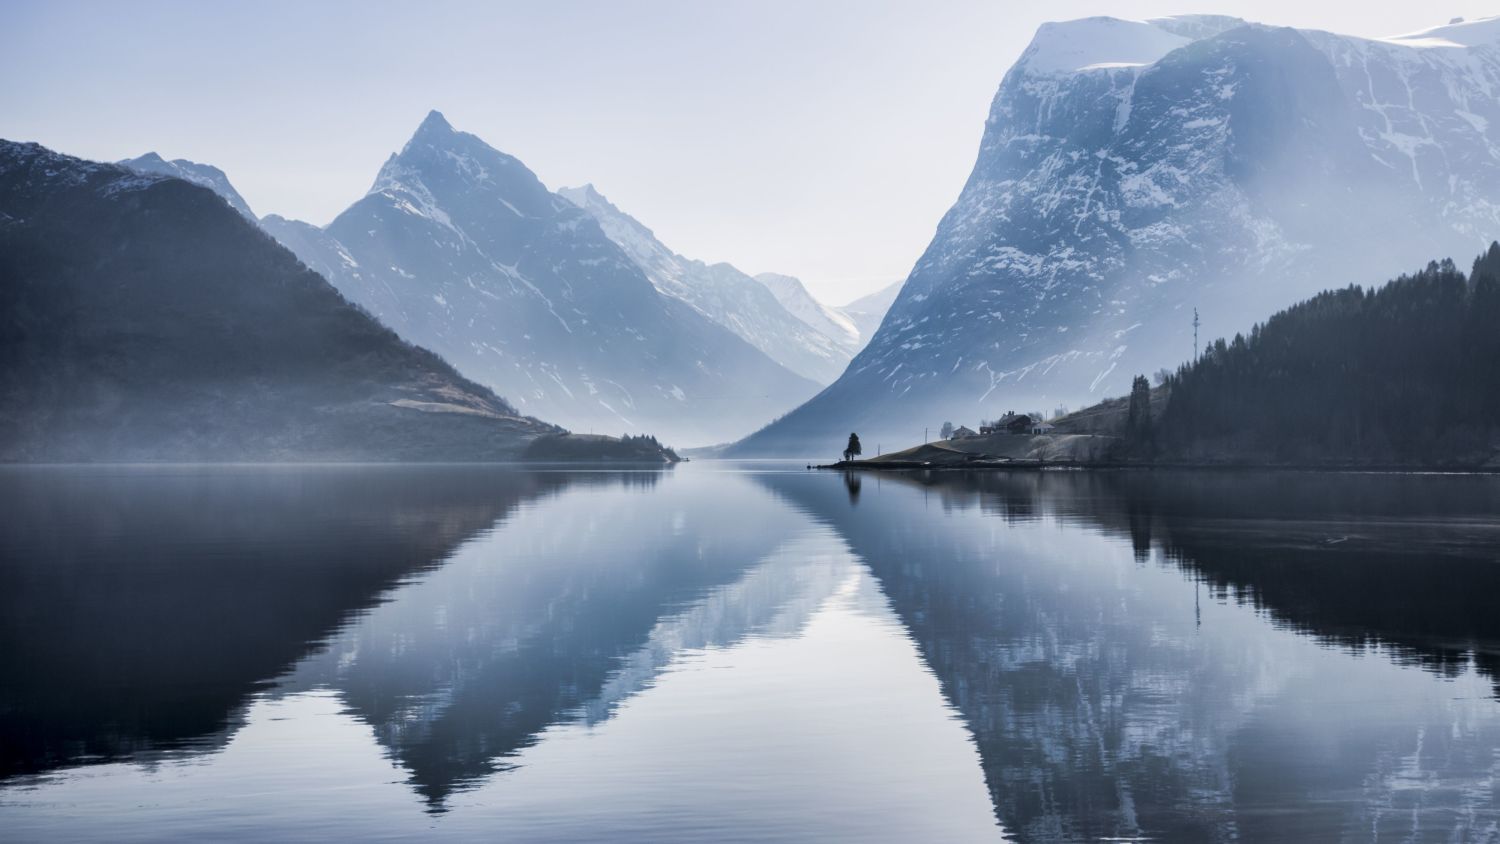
x: 1115, y: 466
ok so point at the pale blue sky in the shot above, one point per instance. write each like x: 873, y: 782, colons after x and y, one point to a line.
x: 821, y: 139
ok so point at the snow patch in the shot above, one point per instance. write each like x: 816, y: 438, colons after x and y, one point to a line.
x: 1099, y: 43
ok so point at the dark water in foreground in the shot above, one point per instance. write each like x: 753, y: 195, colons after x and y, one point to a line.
x: 746, y: 652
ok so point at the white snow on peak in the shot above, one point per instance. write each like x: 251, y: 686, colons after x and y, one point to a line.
x: 404, y: 186
x: 1462, y: 33
x: 1197, y: 27
x: 1097, y: 43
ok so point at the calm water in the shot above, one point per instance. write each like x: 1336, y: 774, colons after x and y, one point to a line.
x: 747, y: 652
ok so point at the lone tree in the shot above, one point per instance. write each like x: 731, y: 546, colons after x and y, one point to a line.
x: 947, y: 431
x: 1138, y: 423
x: 852, y: 450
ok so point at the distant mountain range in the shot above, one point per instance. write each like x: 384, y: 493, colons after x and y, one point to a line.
x: 734, y: 300
x: 459, y: 247
x: 868, y: 311
x: 1133, y: 171
x: 143, y: 318
x: 581, y: 343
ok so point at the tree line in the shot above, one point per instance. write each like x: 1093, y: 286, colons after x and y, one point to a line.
x: 1406, y: 373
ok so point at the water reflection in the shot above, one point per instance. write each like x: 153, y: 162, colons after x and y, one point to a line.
x: 140, y: 607
x: 722, y: 654
x: 1110, y: 699
x: 614, y: 657
x: 560, y: 616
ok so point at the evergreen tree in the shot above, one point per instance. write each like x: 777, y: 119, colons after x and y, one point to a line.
x: 1138, y: 423
x: 853, y: 450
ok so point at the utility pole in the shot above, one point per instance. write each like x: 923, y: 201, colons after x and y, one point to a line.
x: 1195, y: 335
x: 924, y: 436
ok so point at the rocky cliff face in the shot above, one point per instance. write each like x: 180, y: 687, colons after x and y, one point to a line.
x: 1132, y: 171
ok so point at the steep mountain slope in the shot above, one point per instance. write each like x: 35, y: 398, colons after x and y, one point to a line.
x: 793, y: 296
x: 1131, y: 171
x: 143, y: 319
x: 721, y: 293
x: 199, y: 174
x: 460, y: 248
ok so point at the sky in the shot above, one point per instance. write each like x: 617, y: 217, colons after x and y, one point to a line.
x: 816, y: 138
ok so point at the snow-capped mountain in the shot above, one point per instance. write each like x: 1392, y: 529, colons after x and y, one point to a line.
x: 199, y: 174
x: 721, y: 293
x: 1131, y: 171
x: 868, y: 311
x: 461, y: 249
x: 793, y: 295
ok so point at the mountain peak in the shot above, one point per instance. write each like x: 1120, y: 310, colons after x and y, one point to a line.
x: 1100, y: 43
x: 1097, y: 43
x: 434, y: 122
x: 586, y: 195
x: 203, y: 175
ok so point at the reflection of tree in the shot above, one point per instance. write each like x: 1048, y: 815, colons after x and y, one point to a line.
x: 1405, y: 563
x: 1347, y: 558
x: 139, y: 608
x: 1101, y: 710
x: 852, y: 483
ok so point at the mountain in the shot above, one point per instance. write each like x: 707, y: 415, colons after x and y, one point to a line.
x: 868, y: 311
x: 722, y: 293
x: 1131, y: 171
x: 142, y: 318
x: 199, y: 174
x: 460, y: 248
x: 793, y: 296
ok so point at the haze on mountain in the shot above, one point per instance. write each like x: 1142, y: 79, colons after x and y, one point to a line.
x: 460, y: 248
x: 1131, y: 171
x: 868, y: 311
x: 799, y: 302
x: 722, y: 293
x: 143, y: 318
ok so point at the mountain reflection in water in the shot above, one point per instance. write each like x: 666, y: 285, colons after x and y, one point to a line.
x: 1197, y: 656
x: 746, y: 653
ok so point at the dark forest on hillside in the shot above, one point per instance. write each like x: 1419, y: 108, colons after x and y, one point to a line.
x: 1408, y: 373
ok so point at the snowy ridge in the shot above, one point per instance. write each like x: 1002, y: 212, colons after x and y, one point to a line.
x: 204, y: 175
x: 868, y: 311
x: 1460, y: 33
x: 793, y: 296
x: 1093, y: 43
x: 721, y: 293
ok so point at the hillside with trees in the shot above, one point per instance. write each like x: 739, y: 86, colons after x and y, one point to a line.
x: 1406, y: 374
